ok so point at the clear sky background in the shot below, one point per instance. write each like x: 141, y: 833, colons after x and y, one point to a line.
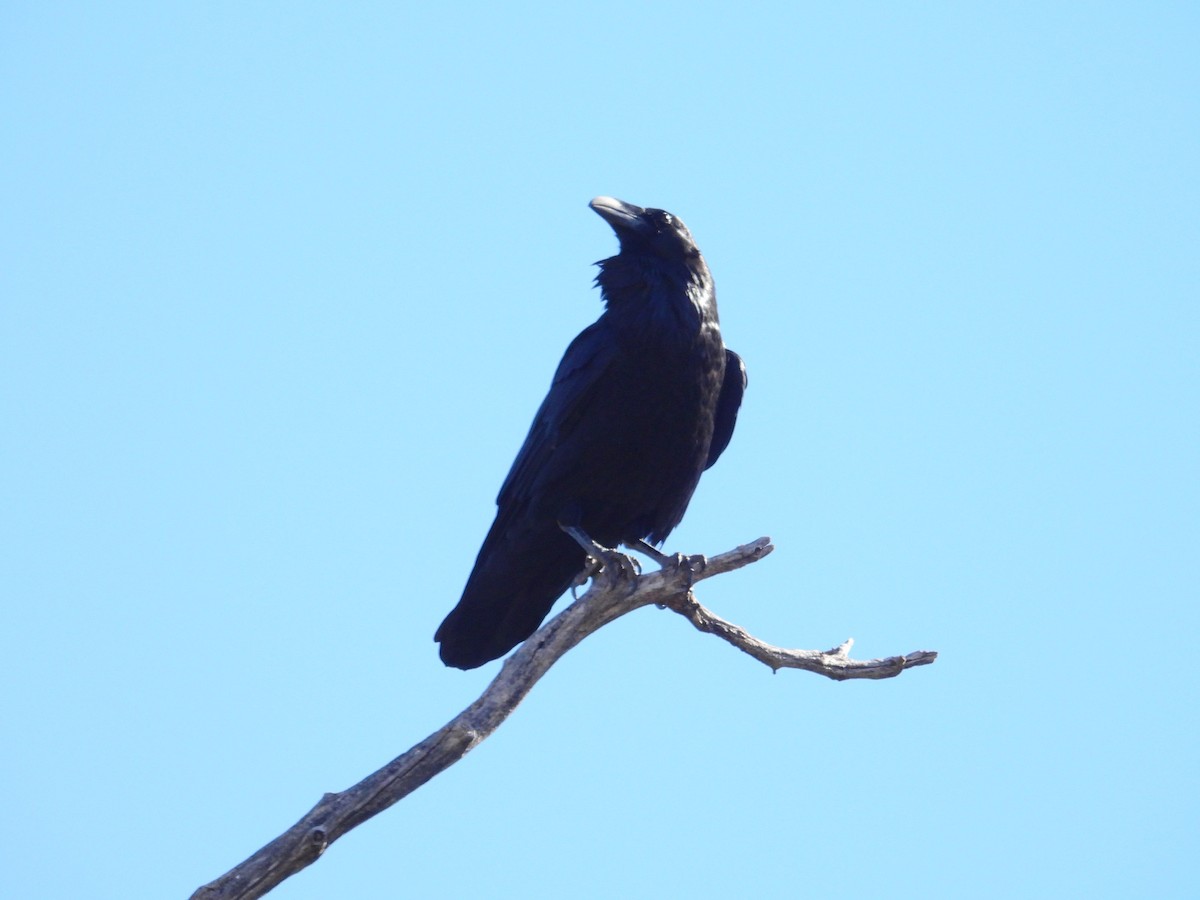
x: 283, y: 285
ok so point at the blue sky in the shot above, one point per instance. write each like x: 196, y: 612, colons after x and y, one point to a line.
x: 284, y: 284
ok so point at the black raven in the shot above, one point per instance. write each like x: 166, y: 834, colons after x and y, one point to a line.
x: 644, y: 401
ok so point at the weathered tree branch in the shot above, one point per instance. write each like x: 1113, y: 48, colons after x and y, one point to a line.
x: 608, y: 599
x: 835, y: 663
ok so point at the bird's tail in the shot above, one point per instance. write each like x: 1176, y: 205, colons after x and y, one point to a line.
x: 521, y: 570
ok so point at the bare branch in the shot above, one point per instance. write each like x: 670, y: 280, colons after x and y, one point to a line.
x: 608, y: 599
x: 835, y: 663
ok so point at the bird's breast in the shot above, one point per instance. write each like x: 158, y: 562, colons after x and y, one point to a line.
x: 647, y: 438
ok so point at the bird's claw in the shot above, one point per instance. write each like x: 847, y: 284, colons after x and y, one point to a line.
x: 691, y: 565
x: 614, y: 567
x: 589, y: 569
x: 611, y: 567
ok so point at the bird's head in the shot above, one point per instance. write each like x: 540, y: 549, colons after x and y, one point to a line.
x: 652, y: 232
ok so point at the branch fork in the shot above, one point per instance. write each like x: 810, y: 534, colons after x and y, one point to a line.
x: 608, y: 599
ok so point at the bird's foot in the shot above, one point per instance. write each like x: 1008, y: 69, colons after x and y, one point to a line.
x: 613, y: 565
x: 691, y: 565
x: 609, y: 568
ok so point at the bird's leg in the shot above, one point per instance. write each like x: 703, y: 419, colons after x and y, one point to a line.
x: 648, y: 549
x: 615, y: 564
x: 692, y: 565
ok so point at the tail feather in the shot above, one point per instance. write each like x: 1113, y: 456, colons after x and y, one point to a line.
x: 517, y: 577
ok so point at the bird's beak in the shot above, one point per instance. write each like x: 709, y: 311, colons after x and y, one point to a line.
x: 620, y: 215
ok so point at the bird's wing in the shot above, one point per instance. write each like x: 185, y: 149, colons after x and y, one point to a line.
x: 725, y: 416
x: 582, y: 367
